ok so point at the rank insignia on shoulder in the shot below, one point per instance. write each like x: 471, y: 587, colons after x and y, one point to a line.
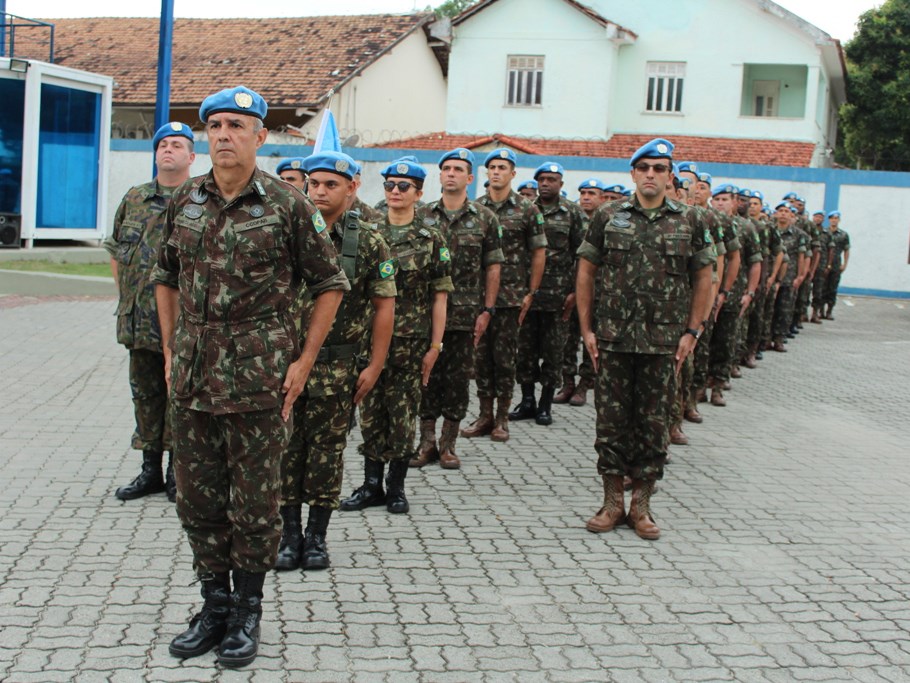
x: 386, y: 269
x: 424, y: 232
x: 444, y: 254
x: 259, y: 188
x: 318, y: 222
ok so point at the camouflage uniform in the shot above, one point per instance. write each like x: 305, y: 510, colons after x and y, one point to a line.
x: 795, y: 243
x: 422, y: 268
x: 802, y: 296
x: 645, y: 258
x: 722, y: 233
x: 367, y: 213
x: 775, y: 247
x: 839, y: 241
x: 522, y: 233
x: 313, y: 465
x: 818, y: 282
x: 238, y: 267
x: 542, y: 337
x: 473, y: 234
x: 134, y: 245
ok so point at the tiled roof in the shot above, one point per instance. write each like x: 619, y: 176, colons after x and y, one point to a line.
x: 292, y: 62
x: 584, y: 9
x: 704, y: 149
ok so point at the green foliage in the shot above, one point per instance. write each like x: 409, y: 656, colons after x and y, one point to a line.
x: 451, y: 8
x: 876, y: 121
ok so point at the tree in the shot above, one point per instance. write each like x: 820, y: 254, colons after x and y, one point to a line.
x: 876, y: 121
x: 451, y: 8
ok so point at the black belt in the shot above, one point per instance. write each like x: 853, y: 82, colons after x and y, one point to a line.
x: 327, y: 354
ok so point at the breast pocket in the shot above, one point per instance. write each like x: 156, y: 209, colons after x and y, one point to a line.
x: 557, y: 238
x: 257, y: 249
x: 127, y: 246
x: 469, y: 247
x: 617, y: 250
x: 676, y: 254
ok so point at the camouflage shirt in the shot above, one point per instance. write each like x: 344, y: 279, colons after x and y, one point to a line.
x: 134, y: 245
x: 564, y: 226
x: 749, y: 253
x: 824, y: 243
x: 367, y: 212
x: 238, y: 266
x: 839, y: 241
x: 795, y: 242
x: 522, y: 233
x: 645, y: 258
x: 474, y: 237
x: 422, y: 268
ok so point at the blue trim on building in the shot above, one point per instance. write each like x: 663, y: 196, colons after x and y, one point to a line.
x: 878, y: 293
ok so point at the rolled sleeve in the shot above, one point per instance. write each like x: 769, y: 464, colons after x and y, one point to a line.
x: 589, y: 252
x: 492, y: 257
x: 442, y: 284
x: 338, y: 281
x: 537, y: 242
x: 704, y: 257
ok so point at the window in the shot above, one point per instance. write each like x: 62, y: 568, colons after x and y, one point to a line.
x: 665, y: 86
x: 525, y: 81
x: 774, y: 90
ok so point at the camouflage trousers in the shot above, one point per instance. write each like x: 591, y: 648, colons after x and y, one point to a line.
x: 723, y: 341
x: 494, y: 361
x: 832, y: 282
x: 818, y: 287
x: 446, y: 395
x: 540, y: 345
x: 570, y: 365
x: 153, y: 428
x: 388, y: 414
x: 783, y: 311
x: 702, y: 355
x: 753, y: 323
x: 768, y: 313
x: 802, y: 301
x: 313, y: 465
x: 682, y: 396
x: 632, y: 398
x: 228, y: 471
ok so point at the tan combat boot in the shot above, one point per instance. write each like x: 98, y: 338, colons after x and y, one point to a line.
x: 815, y: 317
x: 566, y: 391
x: 613, y: 510
x: 580, y: 397
x: 639, y: 517
x: 427, y: 451
x: 483, y: 425
x: 501, y: 428
x: 448, y: 459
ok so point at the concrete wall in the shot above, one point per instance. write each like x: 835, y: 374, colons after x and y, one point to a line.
x: 875, y: 205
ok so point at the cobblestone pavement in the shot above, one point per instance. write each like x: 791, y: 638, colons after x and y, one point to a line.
x: 785, y: 553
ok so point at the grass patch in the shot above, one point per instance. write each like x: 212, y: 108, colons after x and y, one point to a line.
x: 93, y: 269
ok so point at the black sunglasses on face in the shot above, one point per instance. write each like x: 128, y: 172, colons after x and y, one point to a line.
x: 402, y: 185
x: 658, y: 168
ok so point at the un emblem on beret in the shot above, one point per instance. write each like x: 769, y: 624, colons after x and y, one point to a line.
x: 554, y: 168
x: 504, y: 154
x: 341, y: 165
x: 662, y: 148
x: 402, y: 168
x: 243, y: 100
x: 462, y: 154
x: 176, y: 126
x: 592, y: 183
x: 295, y: 164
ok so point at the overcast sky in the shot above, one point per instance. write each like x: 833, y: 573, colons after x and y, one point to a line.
x: 837, y: 17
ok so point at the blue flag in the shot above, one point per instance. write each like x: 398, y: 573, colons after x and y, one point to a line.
x: 327, y: 139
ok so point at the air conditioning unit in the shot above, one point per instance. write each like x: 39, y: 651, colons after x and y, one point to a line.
x: 10, y: 230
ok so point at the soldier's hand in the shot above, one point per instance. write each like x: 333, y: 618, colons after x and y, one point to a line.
x: 365, y: 382
x: 683, y: 349
x: 294, y: 383
x: 480, y: 326
x: 429, y: 360
x: 744, y: 304
x: 167, y: 366
x: 590, y: 341
x: 568, y: 306
x: 525, y: 307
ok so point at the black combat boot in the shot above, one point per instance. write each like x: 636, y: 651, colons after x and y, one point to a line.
x: 209, y: 626
x: 170, y: 481
x: 149, y: 480
x: 241, y: 641
x: 395, y: 500
x: 371, y: 493
x: 544, y: 416
x: 289, y: 552
x: 315, y: 552
x: 528, y: 406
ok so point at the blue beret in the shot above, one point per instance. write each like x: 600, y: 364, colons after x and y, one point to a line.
x: 627, y: 192
x: 793, y: 209
x: 687, y: 167
x: 819, y: 213
x: 405, y: 167
x: 291, y: 164
x: 172, y: 129
x: 757, y: 194
x: 705, y: 178
x: 834, y: 214
x: 239, y: 100
x: 789, y: 196
x: 726, y: 188
x: 549, y: 167
x: 658, y: 148
x: 501, y: 153
x: 766, y: 208
x: 459, y: 153
x: 800, y: 199
x: 615, y: 189
x: 333, y: 162
x: 528, y: 183
x: 744, y: 192
x: 563, y: 193
x: 782, y: 203
x: 684, y: 183
x: 592, y: 184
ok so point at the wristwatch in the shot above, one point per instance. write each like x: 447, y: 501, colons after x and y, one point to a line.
x: 534, y: 292
x: 694, y: 333
x: 751, y: 295
x: 488, y: 309
x: 725, y: 292
x: 436, y: 345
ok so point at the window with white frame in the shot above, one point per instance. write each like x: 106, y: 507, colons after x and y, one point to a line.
x: 665, y: 86
x: 524, y: 82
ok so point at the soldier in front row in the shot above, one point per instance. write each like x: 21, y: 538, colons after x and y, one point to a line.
x: 655, y: 271
x: 346, y: 369
x: 133, y: 246
x: 238, y: 244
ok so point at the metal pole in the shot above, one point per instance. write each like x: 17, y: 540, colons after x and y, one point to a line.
x: 2, y: 28
x: 165, y: 38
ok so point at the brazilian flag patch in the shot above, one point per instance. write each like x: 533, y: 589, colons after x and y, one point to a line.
x: 500, y: 231
x: 540, y: 219
x: 720, y: 231
x: 444, y: 254
x: 319, y: 222
x: 386, y: 269
x: 708, y: 239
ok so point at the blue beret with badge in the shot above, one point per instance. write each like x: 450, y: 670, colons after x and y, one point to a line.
x: 170, y: 130
x: 800, y: 199
x: 705, y: 178
x: 460, y: 154
x: 744, y: 192
x: 793, y: 209
x: 593, y: 184
x: 291, y: 164
x: 528, y: 183
x: 549, y: 167
x: 338, y: 163
x: 687, y: 167
x: 834, y: 214
x: 758, y: 194
x: 819, y: 213
x: 405, y: 167
x: 501, y: 153
x: 615, y: 189
x: 239, y: 100
x: 766, y: 208
x: 726, y: 188
x: 658, y: 148
x: 790, y: 195
x: 627, y: 192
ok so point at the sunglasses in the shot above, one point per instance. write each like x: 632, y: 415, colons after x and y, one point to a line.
x: 402, y: 185
x: 642, y: 167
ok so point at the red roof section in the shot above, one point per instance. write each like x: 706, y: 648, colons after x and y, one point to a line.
x: 621, y: 146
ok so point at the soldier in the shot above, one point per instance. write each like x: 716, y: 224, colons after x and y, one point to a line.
x: 291, y: 171
x: 474, y: 236
x: 655, y: 272
x: 345, y: 370
x: 523, y: 245
x: 818, y: 270
x: 802, y: 296
x: 422, y: 277
x: 838, y: 247
x: 795, y: 244
x: 614, y: 193
x: 367, y: 212
x: 543, y: 334
x: 528, y: 190
x: 133, y: 246
x: 238, y: 243
x: 591, y: 194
